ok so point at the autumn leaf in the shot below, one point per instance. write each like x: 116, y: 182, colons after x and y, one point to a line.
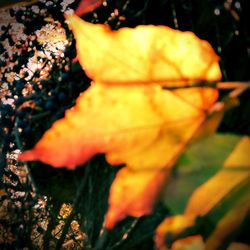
x: 143, y: 55
x: 140, y: 125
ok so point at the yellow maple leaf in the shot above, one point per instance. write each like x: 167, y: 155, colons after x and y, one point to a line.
x: 140, y: 125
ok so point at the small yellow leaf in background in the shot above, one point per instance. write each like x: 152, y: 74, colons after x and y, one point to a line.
x: 240, y: 155
x: 170, y: 227
x: 231, y: 221
x: 189, y: 243
x: 238, y: 246
x: 196, y: 242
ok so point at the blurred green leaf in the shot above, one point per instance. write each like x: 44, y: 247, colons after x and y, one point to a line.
x: 200, y: 162
x: 235, y: 171
x: 221, y: 204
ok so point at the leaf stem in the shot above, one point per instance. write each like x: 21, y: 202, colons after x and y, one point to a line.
x: 232, y: 85
x: 239, y: 87
x: 101, y: 241
x: 126, y: 234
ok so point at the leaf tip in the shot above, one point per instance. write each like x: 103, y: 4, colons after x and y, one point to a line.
x: 28, y: 155
x: 111, y: 218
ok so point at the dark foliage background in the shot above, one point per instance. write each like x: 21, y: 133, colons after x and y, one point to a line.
x: 223, y: 23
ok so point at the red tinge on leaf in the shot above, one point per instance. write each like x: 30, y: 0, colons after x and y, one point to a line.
x: 87, y: 6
